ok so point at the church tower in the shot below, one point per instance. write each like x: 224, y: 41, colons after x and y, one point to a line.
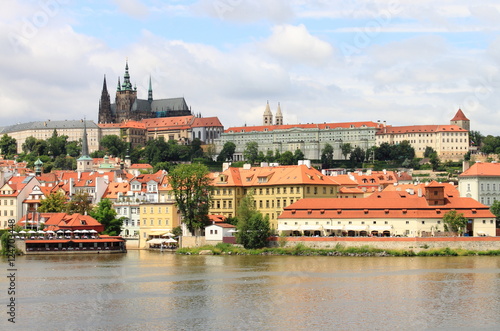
x: 84, y: 162
x: 105, y: 114
x: 125, y: 98
x: 279, y: 116
x: 268, y: 116
x: 461, y: 120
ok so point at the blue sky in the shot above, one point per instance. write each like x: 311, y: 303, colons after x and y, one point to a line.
x: 405, y: 62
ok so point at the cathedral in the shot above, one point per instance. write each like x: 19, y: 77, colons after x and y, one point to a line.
x: 128, y: 107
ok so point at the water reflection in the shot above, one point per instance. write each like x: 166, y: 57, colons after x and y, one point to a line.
x: 151, y: 290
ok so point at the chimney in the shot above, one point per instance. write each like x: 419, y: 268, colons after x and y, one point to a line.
x: 420, y: 192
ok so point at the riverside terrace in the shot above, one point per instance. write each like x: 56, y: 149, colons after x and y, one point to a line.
x: 71, y: 243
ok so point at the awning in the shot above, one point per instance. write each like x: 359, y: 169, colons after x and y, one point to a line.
x: 156, y: 241
x: 380, y: 228
x: 311, y: 227
x: 333, y: 227
x: 284, y: 227
x: 158, y: 233
x: 355, y: 227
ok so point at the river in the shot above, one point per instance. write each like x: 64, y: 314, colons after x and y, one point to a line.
x: 144, y: 290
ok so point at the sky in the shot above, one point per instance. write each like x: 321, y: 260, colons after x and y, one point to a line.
x: 403, y: 62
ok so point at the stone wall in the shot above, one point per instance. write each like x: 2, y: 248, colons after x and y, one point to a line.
x: 416, y: 244
x: 192, y: 241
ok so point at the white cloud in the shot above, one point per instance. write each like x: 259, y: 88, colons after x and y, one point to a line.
x: 133, y: 8
x: 296, y: 44
x: 277, y: 11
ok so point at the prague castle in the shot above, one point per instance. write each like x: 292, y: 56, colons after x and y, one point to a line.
x: 128, y: 107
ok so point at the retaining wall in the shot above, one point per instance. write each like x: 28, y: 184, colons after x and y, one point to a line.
x: 470, y: 243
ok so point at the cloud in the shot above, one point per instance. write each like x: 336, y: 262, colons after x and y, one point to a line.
x: 296, y: 44
x: 276, y: 11
x: 133, y: 8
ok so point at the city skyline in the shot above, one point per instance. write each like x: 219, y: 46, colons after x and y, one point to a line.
x: 361, y: 61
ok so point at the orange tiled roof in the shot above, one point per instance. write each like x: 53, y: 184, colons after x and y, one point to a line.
x: 109, y: 125
x: 420, y: 129
x: 480, y: 169
x: 115, y: 188
x: 460, y: 116
x: 322, y: 126
x: 267, y: 176
x: 133, y: 124
x: 176, y: 122
x: 384, y: 205
x: 206, y: 121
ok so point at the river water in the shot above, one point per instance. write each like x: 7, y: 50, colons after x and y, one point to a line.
x: 144, y: 290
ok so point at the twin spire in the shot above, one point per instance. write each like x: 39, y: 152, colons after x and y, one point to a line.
x: 268, y: 116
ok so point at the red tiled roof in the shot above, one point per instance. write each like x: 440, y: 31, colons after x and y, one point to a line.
x: 460, y: 116
x: 323, y: 126
x: 176, y: 122
x: 420, y: 129
x: 280, y: 175
x: 480, y: 169
x: 206, y: 121
x: 383, y: 205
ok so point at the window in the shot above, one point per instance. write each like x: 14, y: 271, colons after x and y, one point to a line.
x: 159, y: 222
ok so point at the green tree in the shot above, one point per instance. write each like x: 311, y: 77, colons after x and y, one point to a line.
x: 327, y: 157
x: 81, y: 202
x: 156, y: 150
x: 8, y: 146
x: 113, y: 145
x: 495, y: 209
x: 192, y: 188
x: 196, y: 151
x: 490, y: 144
x: 54, y: 203
x: 383, y: 152
x: 346, y: 149
x: 475, y: 138
x: 177, y: 231
x: 106, y: 215
x: 402, y: 151
x: 428, y: 151
x: 358, y: 155
x: 64, y: 162
x: 98, y: 154
x: 57, y: 144
x: 74, y: 148
x: 251, y: 152
x: 286, y: 158
x: 29, y: 145
x: 269, y: 156
x: 454, y: 222
x: 435, y: 162
x: 227, y: 152
x: 298, y: 155
x: 253, y: 229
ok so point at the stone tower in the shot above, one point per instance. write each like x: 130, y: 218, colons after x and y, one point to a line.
x: 125, y: 98
x: 105, y: 114
x: 279, y: 116
x: 461, y: 120
x: 268, y: 116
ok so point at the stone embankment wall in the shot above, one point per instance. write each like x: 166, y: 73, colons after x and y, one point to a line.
x: 469, y: 243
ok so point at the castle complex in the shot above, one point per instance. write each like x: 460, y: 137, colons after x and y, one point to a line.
x: 128, y: 107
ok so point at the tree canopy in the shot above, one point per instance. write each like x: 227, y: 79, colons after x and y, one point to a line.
x: 327, y: 156
x: 54, y: 203
x: 113, y: 145
x: 253, y: 229
x: 454, y: 222
x: 106, y: 215
x: 192, y: 188
x: 251, y: 152
x: 8, y: 146
x: 226, y: 154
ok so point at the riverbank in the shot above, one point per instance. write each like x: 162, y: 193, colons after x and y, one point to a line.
x: 338, y: 250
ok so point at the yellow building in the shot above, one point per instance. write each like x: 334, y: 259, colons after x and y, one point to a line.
x: 157, y: 219
x: 274, y: 188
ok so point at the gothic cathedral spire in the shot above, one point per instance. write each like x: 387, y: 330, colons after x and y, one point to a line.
x: 105, y: 115
x: 150, y: 91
